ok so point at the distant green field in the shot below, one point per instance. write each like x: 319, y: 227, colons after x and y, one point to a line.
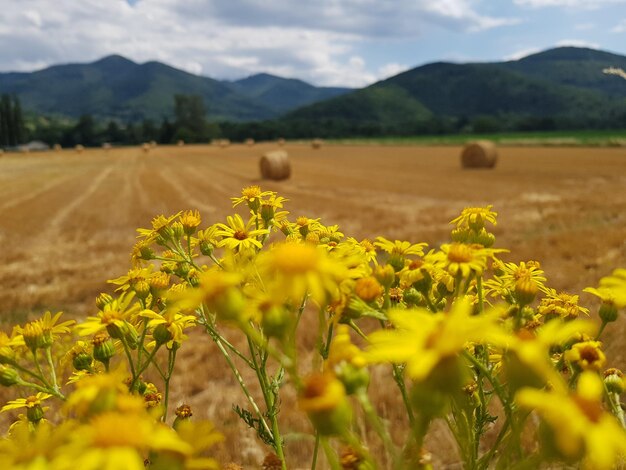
x: 595, y: 138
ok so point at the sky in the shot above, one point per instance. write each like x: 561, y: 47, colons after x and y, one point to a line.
x: 325, y: 42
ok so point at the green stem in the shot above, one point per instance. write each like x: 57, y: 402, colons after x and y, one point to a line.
x: 38, y: 387
x: 616, y: 407
x: 29, y: 372
x: 171, y: 360
x: 480, y: 293
x: 484, y: 461
x: 40, y: 370
x: 331, y: 456
x: 378, y: 426
x: 142, y: 339
x: 128, y: 356
x: 316, y: 449
x: 143, y: 367
x: 601, y: 330
x: 270, y: 402
x: 53, y: 373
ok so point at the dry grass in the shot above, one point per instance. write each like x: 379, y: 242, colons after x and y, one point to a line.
x: 67, y: 223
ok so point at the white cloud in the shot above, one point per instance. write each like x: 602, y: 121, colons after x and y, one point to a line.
x: 522, y: 53
x: 314, y: 40
x: 391, y: 69
x: 620, y: 28
x: 577, y: 43
x: 566, y: 3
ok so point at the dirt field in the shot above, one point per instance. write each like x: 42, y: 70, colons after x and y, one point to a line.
x: 68, y: 220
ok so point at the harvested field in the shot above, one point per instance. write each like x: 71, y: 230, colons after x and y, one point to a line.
x: 68, y: 220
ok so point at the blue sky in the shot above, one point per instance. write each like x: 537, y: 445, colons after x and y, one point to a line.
x: 325, y: 42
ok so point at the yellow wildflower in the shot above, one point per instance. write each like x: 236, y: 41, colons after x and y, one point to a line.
x: 41, y: 333
x: 30, y: 402
x: 560, y: 305
x: 293, y: 270
x: 400, y: 248
x: 462, y: 260
x: 238, y: 236
x: 251, y: 195
x: 168, y: 328
x: 190, y: 221
x: 581, y: 429
x: 115, y: 317
x: 612, y: 288
x: 424, y: 340
x: 586, y: 355
x: 475, y: 217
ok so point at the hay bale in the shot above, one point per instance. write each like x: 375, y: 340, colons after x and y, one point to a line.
x: 224, y: 143
x: 153, y: 144
x: 281, y: 142
x: 479, y: 154
x: 275, y: 165
x: 106, y: 146
x: 79, y: 148
x: 57, y: 147
x: 145, y: 147
x: 180, y: 143
x: 316, y: 144
x: 250, y: 142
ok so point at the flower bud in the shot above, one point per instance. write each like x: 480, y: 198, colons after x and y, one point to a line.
x: 413, y: 297
x: 324, y: 400
x: 103, y: 348
x: 206, y: 248
x: 162, y: 334
x: 385, y: 275
x: 276, y: 321
x: 183, y: 413
x: 102, y: 300
x: 178, y: 230
x: 82, y: 361
x: 608, y: 312
x: 368, y: 289
x: 34, y: 413
x: 614, y: 381
x: 9, y: 376
x: 525, y: 290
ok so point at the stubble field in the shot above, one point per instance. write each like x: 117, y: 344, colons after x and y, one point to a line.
x: 68, y: 220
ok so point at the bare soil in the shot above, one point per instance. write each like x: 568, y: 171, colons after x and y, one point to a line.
x: 68, y: 220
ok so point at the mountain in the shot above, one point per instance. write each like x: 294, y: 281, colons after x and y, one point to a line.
x: 563, y: 86
x: 117, y: 87
x: 284, y: 94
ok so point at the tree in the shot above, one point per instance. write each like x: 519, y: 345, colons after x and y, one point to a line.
x: 190, y: 115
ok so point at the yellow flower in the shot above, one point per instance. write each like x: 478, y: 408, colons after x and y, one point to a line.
x: 612, y: 288
x: 252, y: 196
x: 323, y: 398
x: 115, y: 317
x: 424, y: 340
x: 137, y: 279
x: 400, y: 248
x: 532, y: 349
x: 190, y: 221
x: 161, y: 227
x: 293, y: 270
x: 560, y: 305
x: 509, y: 277
x: 168, y: 328
x: 463, y: 260
x: 29, y: 402
x: 41, y: 333
x: 581, y: 429
x: 238, y: 236
x: 475, y: 217
x: 586, y: 355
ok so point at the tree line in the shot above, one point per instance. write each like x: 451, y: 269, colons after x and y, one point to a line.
x: 189, y: 123
x: 12, y: 129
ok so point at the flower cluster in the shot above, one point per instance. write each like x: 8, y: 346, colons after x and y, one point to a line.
x: 462, y: 332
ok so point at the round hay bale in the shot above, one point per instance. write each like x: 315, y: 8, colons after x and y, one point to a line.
x: 106, y: 146
x: 79, y: 148
x: 145, y: 147
x: 57, y: 147
x: 275, y: 165
x: 250, y: 142
x: 224, y: 143
x: 316, y: 144
x: 180, y: 143
x: 281, y: 142
x: 479, y: 154
x: 153, y: 144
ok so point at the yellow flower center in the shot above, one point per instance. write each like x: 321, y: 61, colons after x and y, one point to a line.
x: 31, y: 401
x: 293, y: 258
x: 460, y: 253
x: 240, y: 235
x: 251, y: 192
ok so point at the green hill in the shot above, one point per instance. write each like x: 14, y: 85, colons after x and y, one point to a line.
x: 540, y: 90
x: 115, y: 87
